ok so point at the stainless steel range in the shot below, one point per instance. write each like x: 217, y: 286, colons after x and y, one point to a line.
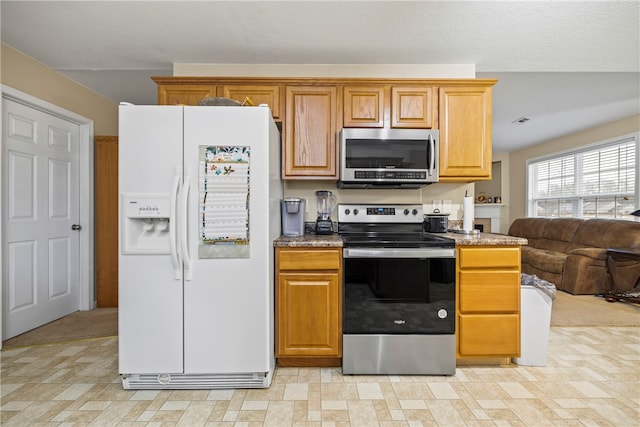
x: 399, y: 293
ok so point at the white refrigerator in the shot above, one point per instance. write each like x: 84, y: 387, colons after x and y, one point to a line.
x: 200, y: 195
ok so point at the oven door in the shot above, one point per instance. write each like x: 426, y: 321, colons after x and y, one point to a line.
x: 399, y: 291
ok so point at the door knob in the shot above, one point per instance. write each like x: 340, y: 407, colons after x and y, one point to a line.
x: 76, y: 227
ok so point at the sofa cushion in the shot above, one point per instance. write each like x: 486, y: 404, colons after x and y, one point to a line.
x: 545, y: 260
x: 606, y: 233
x: 558, y: 233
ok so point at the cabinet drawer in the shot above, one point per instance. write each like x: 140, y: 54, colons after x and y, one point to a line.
x: 483, y: 257
x: 489, y: 335
x: 482, y: 291
x: 308, y: 259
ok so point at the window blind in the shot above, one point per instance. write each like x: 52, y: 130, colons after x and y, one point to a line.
x: 597, y: 182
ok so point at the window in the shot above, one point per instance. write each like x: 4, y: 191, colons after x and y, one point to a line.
x: 596, y: 182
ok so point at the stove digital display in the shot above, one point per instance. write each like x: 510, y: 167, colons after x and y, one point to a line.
x: 381, y: 211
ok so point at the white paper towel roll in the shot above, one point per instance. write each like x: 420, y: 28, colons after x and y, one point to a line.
x: 467, y: 214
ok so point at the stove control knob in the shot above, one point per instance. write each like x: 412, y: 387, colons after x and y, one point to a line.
x: 414, y: 212
x: 442, y: 313
x: 355, y: 211
x: 347, y: 211
x: 406, y: 211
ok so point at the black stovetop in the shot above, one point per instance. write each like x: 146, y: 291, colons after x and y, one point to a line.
x: 391, y: 236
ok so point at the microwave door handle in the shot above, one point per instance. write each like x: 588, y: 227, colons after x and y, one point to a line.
x: 432, y: 155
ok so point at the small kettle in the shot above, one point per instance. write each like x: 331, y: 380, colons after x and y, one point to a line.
x: 436, y: 222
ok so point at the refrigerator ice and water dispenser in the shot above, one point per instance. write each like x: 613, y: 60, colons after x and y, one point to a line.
x: 147, y: 224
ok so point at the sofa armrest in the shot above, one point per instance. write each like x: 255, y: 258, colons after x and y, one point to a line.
x: 593, y: 253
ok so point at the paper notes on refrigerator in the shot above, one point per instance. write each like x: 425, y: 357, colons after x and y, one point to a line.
x: 224, y: 202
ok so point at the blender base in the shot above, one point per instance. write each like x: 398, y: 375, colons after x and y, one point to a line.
x: 324, y: 226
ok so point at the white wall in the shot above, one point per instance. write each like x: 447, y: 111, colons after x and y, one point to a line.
x: 434, y: 71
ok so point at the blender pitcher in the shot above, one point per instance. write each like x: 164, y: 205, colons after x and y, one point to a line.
x: 325, y: 202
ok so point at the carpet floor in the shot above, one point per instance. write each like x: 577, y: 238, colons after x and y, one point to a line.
x: 566, y: 310
x: 591, y: 310
x: 100, y: 322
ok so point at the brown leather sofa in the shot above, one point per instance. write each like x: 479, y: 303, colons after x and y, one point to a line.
x: 571, y: 253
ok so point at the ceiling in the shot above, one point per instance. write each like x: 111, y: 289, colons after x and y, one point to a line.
x: 565, y: 65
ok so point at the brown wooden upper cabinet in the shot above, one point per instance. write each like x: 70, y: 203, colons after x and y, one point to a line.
x: 465, y: 133
x: 389, y: 106
x: 313, y: 110
x: 310, y: 136
x: 412, y: 107
x: 364, y: 106
x: 269, y: 95
x: 184, y: 94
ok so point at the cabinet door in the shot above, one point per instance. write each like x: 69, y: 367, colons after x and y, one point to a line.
x: 412, y: 107
x: 465, y: 133
x: 269, y: 95
x: 310, y: 146
x: 363, y: 106
x: 184, y: 94
x: 308, y: 314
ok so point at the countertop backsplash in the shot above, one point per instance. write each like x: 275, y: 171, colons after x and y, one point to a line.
x: 424, y: 196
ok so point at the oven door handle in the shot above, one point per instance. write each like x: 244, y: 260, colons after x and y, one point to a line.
x: 398, y: 253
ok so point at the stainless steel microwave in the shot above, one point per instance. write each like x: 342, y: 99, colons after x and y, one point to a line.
x: 388, y: 158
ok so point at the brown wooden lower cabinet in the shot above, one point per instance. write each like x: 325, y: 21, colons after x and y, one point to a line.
x: 106, y: 220
x: 488, y: 306
x: 309, y: 306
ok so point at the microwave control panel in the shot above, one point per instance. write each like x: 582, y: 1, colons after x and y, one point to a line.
x: 392, y: 174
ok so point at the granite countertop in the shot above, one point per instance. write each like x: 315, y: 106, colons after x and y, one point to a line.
x: 487, y: 239
x: 309, y: 240
x: 333, y: 240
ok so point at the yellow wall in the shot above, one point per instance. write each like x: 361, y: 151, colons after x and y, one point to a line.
x: 518, y: 159
x: 23, y: 73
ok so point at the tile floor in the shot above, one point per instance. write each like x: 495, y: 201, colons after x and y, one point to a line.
x: 592, y: 378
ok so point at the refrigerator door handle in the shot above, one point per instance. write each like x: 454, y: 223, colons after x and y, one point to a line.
x: 173, y: 228
x: 184, y: 243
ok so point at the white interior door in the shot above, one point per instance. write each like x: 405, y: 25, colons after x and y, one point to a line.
x: 41, y: 209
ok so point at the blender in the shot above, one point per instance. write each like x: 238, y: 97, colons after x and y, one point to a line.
x: 325, y: 202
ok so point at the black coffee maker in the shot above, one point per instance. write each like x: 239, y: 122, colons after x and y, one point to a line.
x: 325, y: 202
